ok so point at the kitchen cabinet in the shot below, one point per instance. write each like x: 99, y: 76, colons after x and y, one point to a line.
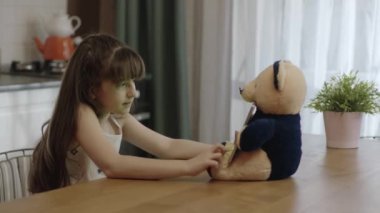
x: 22, y: 113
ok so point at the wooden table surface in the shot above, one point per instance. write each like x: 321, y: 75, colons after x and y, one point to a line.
x: 328, y: 180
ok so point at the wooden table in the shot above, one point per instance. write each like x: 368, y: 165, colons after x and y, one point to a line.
x: 328, y: 180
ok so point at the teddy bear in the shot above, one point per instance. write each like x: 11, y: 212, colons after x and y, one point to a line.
x: 269, y: 145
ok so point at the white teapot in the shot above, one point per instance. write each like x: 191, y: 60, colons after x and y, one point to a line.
x: 62, y: 25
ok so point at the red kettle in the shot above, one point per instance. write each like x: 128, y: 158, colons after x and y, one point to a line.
x: 56, y: 47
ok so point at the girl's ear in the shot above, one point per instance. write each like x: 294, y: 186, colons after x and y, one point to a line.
x: 92, y: 93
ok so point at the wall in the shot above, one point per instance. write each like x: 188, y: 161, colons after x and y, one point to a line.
x: 20, y: 21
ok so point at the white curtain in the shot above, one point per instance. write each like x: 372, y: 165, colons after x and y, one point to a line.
x: 323, y: 38
x: 237, y: 39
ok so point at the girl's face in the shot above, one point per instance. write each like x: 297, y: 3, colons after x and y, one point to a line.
x: 116, y: 98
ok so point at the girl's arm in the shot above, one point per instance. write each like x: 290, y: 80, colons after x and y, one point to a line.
x: 160, y: 145
x: 90, y: 136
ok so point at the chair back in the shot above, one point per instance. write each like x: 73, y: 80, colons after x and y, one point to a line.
x: 14, y: 171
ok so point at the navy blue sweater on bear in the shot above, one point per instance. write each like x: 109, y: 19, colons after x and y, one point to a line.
x: 280, y: 137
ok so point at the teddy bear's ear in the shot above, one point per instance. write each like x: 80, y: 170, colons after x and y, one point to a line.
x: 279, y: 74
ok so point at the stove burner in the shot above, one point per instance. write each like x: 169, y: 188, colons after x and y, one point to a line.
x: 52, y: 67
x: 55, y: 66
x: 34, y: 66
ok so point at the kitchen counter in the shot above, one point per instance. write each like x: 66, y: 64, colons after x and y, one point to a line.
x: 26, y: 81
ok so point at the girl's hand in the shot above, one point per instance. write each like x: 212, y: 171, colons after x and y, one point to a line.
x: 205, y: 160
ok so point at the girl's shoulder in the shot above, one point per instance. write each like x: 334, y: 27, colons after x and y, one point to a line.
x: 86, y: 109
x: 85, y: 112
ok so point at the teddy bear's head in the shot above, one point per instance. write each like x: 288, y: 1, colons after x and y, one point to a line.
x: 279, y: 89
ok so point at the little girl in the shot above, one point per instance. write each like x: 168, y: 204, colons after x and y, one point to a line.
x: 91, y: 117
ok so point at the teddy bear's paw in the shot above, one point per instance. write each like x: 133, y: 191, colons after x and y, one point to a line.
x: 230, y: 149
x: 219, y: 173
x: 245, y: 166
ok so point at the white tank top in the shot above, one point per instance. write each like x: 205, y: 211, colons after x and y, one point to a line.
x: 80, y: 167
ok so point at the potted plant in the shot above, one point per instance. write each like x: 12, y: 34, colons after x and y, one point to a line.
x: 343, y: 100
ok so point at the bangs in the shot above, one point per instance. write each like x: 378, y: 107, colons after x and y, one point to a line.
x: 125, y: 64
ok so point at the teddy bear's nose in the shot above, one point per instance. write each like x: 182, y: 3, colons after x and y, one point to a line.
x: 240, y: 90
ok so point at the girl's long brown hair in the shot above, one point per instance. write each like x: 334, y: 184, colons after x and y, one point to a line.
x: 98, y: 57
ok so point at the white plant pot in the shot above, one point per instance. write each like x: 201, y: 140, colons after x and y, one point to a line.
x: 342, y: 129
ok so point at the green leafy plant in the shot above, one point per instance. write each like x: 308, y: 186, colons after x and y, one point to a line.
x: 346, y: 93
